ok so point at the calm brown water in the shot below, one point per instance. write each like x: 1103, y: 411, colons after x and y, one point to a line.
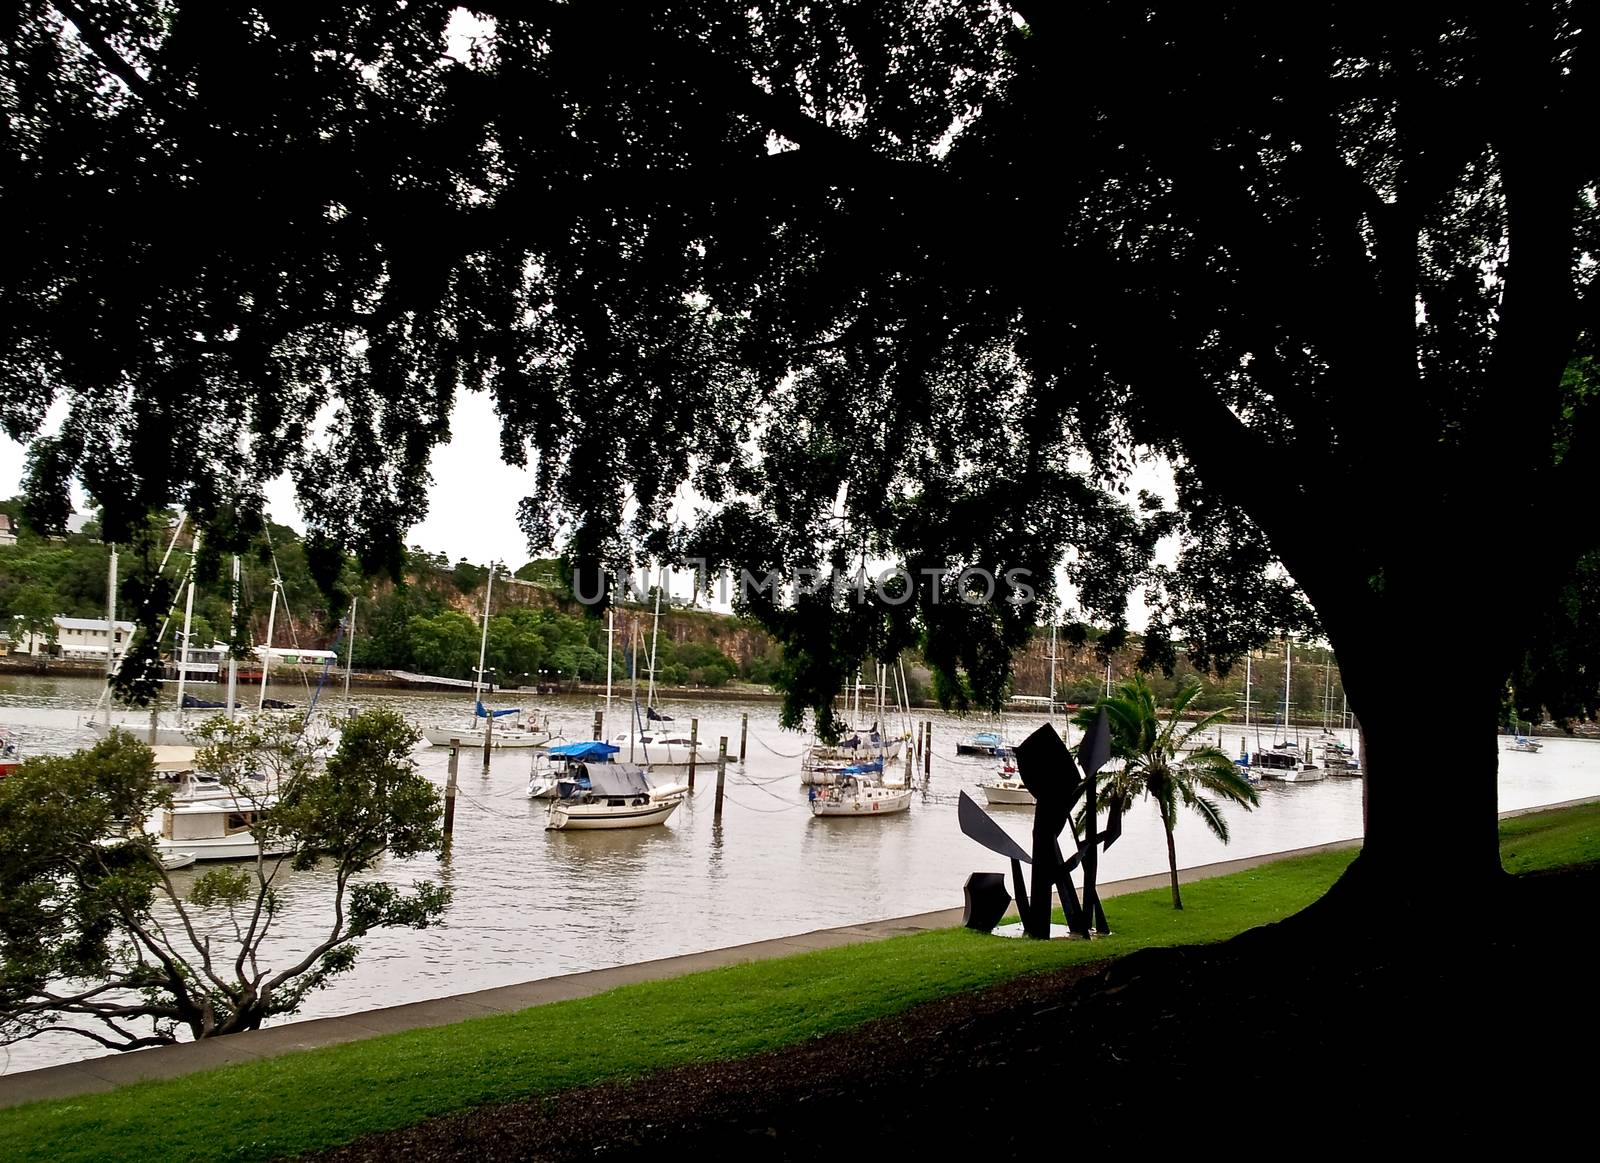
x: 530, y: 903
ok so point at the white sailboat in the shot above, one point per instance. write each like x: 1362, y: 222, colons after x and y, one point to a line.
x: 654, y: 742
x: 606, y: 796
x: 852, y: 796
x: 483, y: 723
x: 1285, y: 762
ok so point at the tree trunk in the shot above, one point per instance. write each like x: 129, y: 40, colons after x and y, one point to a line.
x: 1430, y: 794
x: 1172, y: 863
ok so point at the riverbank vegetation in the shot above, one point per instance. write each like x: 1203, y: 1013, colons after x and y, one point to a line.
x: 307, y: 1101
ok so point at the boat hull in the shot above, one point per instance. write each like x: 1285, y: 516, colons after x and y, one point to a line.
x: 604, y: 817
x: 468, y: 737
x: 1279, y: 775
x: 238, y: 847
x: 882, y: 802
x: 1000, y: 793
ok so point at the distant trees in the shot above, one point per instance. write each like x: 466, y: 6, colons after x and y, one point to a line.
x: 444, y: 644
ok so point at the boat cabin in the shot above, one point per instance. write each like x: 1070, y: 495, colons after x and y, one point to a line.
x: 615, y: 784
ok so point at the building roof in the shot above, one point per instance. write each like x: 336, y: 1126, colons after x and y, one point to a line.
x: 89, y: 624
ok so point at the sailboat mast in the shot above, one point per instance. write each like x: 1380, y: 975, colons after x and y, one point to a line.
x: 655, y: 630
x: 111, y: 626
x: 611, y: 646
x: 1247, y: 692
x: 483, y: 644
x: 188, y: 621
x: 1052, y: 668
x: 266, y: 661
x: 350, y: 652
x: 233, y: 634
x: 1288, y: 668
x: 633, y: 678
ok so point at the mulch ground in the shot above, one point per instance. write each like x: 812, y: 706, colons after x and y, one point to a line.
x: 1315, y: 1036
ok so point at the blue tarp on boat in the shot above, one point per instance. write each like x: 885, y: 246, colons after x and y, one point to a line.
x: 589, y: 751
x: 484, y: 714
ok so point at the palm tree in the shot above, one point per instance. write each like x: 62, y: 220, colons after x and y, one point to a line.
x: 1156, y: 762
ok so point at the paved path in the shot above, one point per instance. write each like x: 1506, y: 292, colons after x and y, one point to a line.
x: 107, y: 1073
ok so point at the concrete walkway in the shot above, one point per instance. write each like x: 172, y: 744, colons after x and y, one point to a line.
x: 107, y: 1073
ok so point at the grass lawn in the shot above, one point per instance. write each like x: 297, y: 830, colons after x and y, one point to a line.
x: 305, y: 1101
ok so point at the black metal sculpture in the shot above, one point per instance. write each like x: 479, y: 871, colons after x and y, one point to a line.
x: 1054, y: 779
x: 987, y: 901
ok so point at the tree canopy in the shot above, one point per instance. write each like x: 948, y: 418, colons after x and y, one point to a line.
x: 912, y: 280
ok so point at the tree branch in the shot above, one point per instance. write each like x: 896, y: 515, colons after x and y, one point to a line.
x: 108, y: 57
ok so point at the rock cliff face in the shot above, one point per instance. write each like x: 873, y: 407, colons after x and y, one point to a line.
x: 740, y: 640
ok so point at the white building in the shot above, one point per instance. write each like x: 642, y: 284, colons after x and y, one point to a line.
x: 8, y: 530
x: 77, y: 638
x: 294, y: 655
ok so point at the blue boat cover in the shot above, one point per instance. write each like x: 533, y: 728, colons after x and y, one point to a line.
x: 589, y: 751
x: 484, y: 713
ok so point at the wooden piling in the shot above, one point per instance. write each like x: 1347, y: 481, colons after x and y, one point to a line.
x: 744, y: 730
x: 722, y: 773
x: 599, y: 725
x: 694, y: 748
x: 450, y: 790
x: 488, y: 742
x: 927, y: 746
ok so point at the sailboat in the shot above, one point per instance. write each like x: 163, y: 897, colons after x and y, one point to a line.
x: 650, y: 739
x: 484, y: 724
x: 1005, y: 787
x: 1284, y: 762
x: 1521, y: 742
x: 864, y: 753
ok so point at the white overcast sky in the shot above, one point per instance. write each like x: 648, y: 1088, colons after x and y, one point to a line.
x: 472, y: 510
x: 472, y: 499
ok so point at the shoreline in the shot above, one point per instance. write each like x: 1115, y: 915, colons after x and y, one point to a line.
x: 106, y: 1073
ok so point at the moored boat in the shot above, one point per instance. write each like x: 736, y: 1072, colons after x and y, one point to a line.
x: 611, y: 795
x: 1006, y: 786
x: 10, y: 753
x: 531, y: 730
x: 853, y: 797
x: 219, y: 828
x: 554, y: 764
x: 981, y: 743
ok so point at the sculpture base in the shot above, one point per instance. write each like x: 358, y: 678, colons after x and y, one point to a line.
x: 1057, y: 932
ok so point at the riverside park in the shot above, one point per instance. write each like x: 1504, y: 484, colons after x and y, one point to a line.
x: 926, y: 577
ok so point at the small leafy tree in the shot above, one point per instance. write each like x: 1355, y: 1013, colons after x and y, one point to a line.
x: 1158, y: 762
x: 98, y: 939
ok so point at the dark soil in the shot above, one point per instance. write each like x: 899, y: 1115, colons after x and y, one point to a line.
x: 1313, y: 1036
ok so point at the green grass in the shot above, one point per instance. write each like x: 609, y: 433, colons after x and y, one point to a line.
x: 314, y: 1099
x: 1551, y: 839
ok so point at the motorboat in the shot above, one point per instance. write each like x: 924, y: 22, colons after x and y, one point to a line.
x: 1006, y: 786
x: 1284, y: 764
x: 554, y: 764
x: 611, y: 795
x: 662, y: 747
x: 990, y: 743
x: 1524, y: 744
x: 852, y: 795
x: 219, y: 828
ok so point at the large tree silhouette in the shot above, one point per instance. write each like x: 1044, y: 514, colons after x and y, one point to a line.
x: 955, y: 262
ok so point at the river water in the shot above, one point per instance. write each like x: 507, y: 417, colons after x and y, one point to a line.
x: 530, y: 903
